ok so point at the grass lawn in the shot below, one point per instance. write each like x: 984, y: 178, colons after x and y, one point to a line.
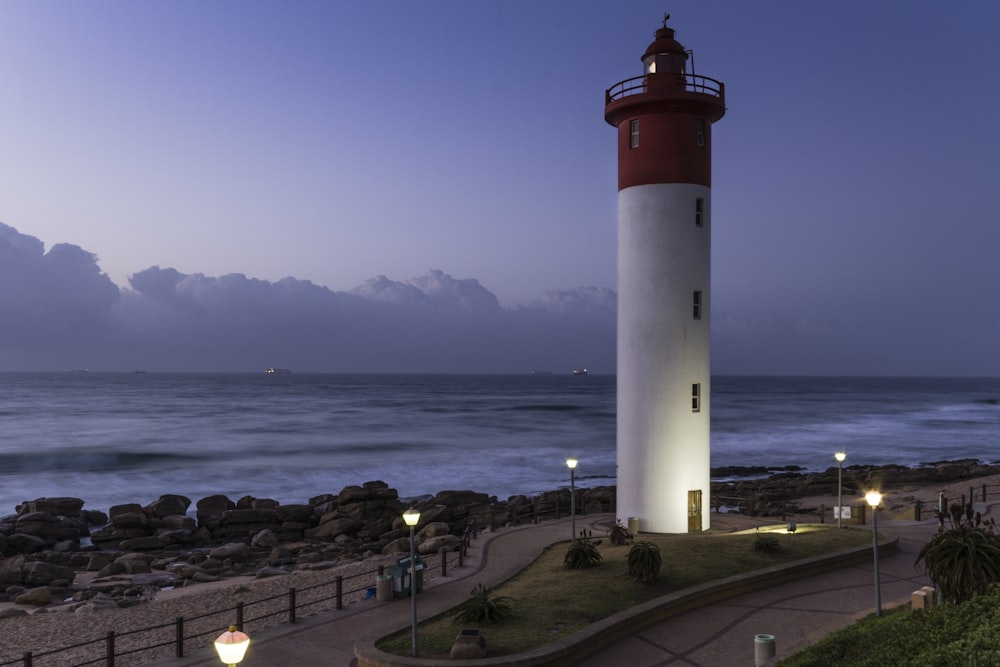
x: 551, y: 602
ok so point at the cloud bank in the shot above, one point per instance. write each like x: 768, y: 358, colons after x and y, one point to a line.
x: 61, y: 312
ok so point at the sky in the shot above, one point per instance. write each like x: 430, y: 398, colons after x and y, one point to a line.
x: 186, y: 183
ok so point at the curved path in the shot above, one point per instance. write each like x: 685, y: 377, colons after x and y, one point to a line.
x: 720, y: 634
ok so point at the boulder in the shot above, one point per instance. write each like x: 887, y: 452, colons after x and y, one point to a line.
x: 168, y: 505
x: 38, y: 597
x: 70, y: 507
x: 40, y: 573
x: 329, y: 530
x: 435, y: 544
x: 235, y: 551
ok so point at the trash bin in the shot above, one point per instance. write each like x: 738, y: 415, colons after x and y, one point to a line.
x: 764, y: 649
x: 633, y: 525
x: 400, y: 573
x: 383, y: 587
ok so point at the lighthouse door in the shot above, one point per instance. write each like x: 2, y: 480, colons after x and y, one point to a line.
x: 694, y: 511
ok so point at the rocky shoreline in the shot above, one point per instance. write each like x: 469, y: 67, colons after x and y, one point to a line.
x: 57, y: 556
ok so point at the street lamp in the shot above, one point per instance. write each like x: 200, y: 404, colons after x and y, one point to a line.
x: 840, y: 456
x: 232, y: 646
x: 411, y: 517
x: 874, y: 498
x: 571, y: 464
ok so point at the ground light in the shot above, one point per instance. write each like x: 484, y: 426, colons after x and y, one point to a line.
x: 874, y: 498
x: 840, y: 456
x: 571, y: 464
x: 232, y: 646
x: 411, y: 517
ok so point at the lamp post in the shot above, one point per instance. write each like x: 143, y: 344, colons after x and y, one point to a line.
x: 874, y: 498
x: 571, y: 464
x: 411, y: 517
x: 840, y: 456
x: 232, y: 646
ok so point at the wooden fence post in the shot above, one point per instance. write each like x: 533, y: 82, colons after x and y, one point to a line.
x: 179, y: 636
x: 291, y: 605
x: 111, y: 648
x: 340, y: 591
x: 444, y: 561
x: 239, y: 616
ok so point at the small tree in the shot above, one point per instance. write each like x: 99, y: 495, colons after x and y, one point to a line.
x: 964, y: 559
x: 644, y: 562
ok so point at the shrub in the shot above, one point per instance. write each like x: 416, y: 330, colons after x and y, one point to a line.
x: 767, y: 544
x: 618, y: 534
x: 964, y: 559
x: 484, y: 608
x: 644, y: 562
x: 581, y: 555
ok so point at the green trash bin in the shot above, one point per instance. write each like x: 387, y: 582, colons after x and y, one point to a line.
x: 400, y: 573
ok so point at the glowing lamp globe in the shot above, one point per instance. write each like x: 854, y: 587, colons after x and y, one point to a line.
x: 411, y: 517
x: 232, y: 646
x: 570, y: 463
x: 840, y: 456
x: 873, y: 498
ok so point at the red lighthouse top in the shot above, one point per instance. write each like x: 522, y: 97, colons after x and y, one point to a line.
x: 664, y: 117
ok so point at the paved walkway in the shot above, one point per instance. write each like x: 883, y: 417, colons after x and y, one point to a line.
x: 719, y: 635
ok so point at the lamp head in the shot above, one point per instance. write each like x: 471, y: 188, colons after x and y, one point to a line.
x: 232, y: 646
x: 571, y: 463
x: 873, y: 498
x: 411, y: 517
x: 840, y: 456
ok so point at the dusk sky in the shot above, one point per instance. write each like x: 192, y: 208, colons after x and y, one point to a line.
x: 392, y: 157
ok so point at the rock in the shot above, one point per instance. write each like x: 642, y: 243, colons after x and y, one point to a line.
x: 70, y: 507
x: 235, y: 551
x: 204, y: 577
x: 97, y: 562
x: 168, y: 505
x: 435, y: 544
x: 156, y: 579
x: 39, y: 597
x: 332, y: 528
x: 148, y: 543
x: 469, y: 645
x: 40, y: 573
x: 434, y: 529
x: 265, y: 539
x: 10, y: 612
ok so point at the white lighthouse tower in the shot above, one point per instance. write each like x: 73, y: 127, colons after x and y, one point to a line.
x: 664, y: 120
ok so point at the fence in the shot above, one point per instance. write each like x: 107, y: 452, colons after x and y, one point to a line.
x: 160, y: 642
x: 977, y: 493
x: 191, y: 633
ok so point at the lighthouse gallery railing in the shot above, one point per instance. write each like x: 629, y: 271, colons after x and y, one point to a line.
x: 692, y: 83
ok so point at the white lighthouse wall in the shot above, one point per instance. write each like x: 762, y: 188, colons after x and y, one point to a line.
x: 663, y: 445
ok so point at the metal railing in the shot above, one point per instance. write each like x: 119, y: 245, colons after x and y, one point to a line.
x: 977, y: 493
x: 182, y: 634
x: 691, y: 83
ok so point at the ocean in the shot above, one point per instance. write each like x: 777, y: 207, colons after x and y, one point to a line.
x: 112, y: 438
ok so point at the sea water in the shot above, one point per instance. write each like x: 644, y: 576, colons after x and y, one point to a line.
x: 112, y: 438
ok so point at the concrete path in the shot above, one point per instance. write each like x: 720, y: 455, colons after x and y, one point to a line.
x: 719, y: 635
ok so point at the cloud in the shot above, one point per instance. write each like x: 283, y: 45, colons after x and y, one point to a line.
x: 70, y: 315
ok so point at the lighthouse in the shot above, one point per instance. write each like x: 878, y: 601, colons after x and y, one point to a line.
x: 664, y: 119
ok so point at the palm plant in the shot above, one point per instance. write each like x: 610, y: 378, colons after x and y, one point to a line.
x: 618, y: 533
x: 644, y: 562
x: 964, y: 559
x: 484, y: 608
x: 582, y: 554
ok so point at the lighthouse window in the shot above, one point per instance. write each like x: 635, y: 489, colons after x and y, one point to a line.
x: 696, y: 397
x: 697, y: 304
x: 633, y: 131
x: 701, y: 131
x: 699, y: 212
